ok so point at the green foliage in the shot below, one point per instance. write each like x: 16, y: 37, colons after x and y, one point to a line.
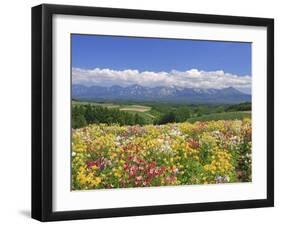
x: 139, y: 120
x: 77, y: 117
x: 85, y: 114
x: 247, y: 106
x: 180, y: 114
x: 167, y: 118
x: 131, y: 113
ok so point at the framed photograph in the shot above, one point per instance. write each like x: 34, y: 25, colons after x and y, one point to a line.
x: 145, y: 112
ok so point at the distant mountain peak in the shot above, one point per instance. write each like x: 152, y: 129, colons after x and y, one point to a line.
x: 137, y: 92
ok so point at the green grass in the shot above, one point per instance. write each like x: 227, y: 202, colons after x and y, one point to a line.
x: 151, y: 112
x: 222, y: 116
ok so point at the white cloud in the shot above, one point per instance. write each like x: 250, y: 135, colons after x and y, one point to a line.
x: 189, y: 79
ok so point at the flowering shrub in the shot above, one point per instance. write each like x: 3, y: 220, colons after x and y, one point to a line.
x: 154, y: 155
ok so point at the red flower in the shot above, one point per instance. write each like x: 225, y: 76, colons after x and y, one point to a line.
x: 91, y: 164
x: 193, y: 143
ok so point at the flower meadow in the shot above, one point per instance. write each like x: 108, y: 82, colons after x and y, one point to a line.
x: 113, y: 156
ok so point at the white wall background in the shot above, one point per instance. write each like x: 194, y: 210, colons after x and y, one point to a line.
x: 15, y: 119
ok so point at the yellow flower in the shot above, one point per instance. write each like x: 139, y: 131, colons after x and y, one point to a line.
x: 120, y: 153
x: 95, y: 181
x: 98, y: 180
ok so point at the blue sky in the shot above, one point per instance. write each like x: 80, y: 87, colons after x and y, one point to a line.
x: 152, y: 54
x: 156, y: 55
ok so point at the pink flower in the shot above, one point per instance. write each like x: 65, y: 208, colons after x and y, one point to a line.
x: 151, y: 171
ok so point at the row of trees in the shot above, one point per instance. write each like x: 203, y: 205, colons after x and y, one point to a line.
x: 82, y: 115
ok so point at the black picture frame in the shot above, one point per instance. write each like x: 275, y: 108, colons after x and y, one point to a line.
x: 42, y: 197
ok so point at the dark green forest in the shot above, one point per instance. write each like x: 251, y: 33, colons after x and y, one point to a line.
x: 83, y: 115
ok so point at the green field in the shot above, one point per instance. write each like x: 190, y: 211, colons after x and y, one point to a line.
x: 125, y: 113
x: 222, y: 116
x: 135, y: 108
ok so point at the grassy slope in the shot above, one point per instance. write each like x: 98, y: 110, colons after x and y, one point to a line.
x: 222, y: 116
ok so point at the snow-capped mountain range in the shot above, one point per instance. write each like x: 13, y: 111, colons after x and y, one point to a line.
x: 163, y: 94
